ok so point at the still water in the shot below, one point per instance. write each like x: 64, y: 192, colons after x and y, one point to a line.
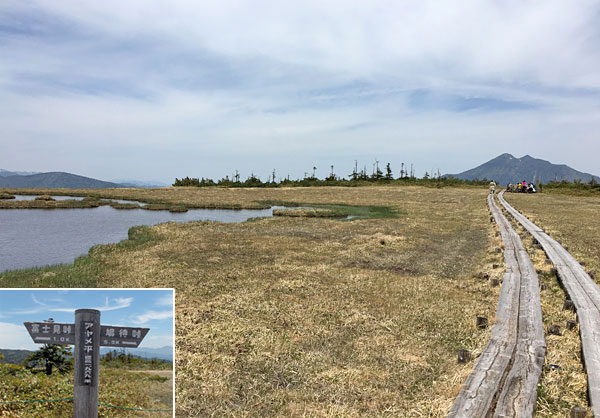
x: 39, y: 237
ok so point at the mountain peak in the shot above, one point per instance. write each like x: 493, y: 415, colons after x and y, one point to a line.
x: 54, y: 180
x: 505, y: 169
x: 504, y: 157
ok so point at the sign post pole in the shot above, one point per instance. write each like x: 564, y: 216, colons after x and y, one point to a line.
x: 87, y: 363
x: 87, y: 335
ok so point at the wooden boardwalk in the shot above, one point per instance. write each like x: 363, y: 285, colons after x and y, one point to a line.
x: 585, y: 295
x: 504, y: 380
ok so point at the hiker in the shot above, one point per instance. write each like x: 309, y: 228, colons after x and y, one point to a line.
x: 492, y: 187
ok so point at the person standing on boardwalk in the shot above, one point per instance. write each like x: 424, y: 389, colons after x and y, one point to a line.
x: 492, y: 187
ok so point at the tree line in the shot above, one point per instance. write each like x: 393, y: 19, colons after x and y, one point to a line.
x: 355, y: 178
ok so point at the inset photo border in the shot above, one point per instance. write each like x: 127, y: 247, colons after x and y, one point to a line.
x: 65, y: 350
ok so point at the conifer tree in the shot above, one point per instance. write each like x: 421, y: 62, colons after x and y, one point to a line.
x: 49, y: 357
x: 388, y: 172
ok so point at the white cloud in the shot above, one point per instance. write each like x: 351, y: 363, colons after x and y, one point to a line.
x: 151, y: 316
x: 117, y: 303
x: 537, y: 39
x: 208, y: 84
x: 165, y: 300
x: 15, y: 337
x: 156, y: 341
x: 109, y: 305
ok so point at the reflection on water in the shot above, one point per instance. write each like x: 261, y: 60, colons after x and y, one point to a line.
x: 38, y: 237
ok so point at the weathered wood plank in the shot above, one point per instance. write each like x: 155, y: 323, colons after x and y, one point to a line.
x: 585, y: 295
x: 504, y: 379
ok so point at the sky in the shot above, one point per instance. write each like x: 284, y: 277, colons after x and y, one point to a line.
x: 153, y: 90
x: 145, y: 308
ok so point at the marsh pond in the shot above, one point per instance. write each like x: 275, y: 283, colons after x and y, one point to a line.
x: 39, y: 237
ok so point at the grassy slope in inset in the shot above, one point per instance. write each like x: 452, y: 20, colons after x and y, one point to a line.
x: 117, y: 387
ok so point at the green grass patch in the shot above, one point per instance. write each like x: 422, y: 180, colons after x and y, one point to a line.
x: 573, y: 189
x: 309, y: 213
x: 117, y: 205
x: 138, y: 235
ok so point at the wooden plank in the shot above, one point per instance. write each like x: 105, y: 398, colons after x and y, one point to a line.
x: 585, y: 295
x: 504, y: 379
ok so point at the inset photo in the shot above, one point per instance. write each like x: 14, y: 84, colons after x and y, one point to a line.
x: 87, y: 352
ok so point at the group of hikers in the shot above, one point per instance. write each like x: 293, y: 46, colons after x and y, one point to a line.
x: 522, y: 187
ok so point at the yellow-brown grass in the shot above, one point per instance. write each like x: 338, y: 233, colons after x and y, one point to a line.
x: 571, y: 219
x: 318, y: 317
x: 325, y: 318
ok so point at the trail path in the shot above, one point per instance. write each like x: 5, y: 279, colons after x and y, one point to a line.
x: 585, y: 295
x: 504, y: 380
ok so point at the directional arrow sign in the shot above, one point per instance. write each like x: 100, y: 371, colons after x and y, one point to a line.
x: 122, y: 336
x: 51, y: 332
x: 55, y: 333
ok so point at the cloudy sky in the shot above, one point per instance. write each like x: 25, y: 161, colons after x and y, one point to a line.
x: 147, y: 308
x: 153, y: 90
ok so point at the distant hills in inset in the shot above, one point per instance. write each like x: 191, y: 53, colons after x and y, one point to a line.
x: 163, y: 353
x: 54, y: 180
x: 506, y: 169
x: 14, y: 356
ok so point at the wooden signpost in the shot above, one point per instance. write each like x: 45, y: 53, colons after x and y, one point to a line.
x: 87, y: 335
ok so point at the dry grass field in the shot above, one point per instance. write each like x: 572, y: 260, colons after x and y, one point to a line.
x: 290, y: 316
x: 574, y: 220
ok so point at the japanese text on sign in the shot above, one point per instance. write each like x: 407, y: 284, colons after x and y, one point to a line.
x: 88, y: 349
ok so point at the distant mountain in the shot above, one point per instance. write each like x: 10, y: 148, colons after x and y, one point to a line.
x: 506, y: 169
x: 141, y: 184
x: 54, y: 180
x: 6, y: 173
x: 163, y: 353
x: 14, y: 356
